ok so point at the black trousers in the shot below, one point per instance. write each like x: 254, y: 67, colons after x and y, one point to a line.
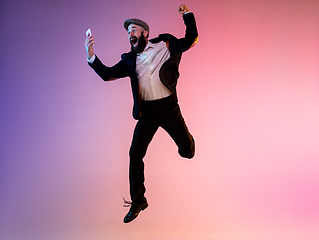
x: 163, y: 113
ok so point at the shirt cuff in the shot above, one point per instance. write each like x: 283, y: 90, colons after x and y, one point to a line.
x: 91, y: 60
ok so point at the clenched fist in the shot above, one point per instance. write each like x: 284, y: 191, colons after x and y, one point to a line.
x: 182, y: 9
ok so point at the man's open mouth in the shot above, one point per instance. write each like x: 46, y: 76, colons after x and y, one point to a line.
x: 133, y: 41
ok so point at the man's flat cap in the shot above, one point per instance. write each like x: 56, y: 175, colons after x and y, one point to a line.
x: 137, y: 22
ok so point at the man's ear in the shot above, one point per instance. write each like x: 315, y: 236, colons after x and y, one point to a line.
x: 145, y: 33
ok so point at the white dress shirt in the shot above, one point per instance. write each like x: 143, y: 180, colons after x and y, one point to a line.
x: 148, y: 65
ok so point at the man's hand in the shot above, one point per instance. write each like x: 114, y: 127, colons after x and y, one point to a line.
x: 89, y: 46
x: 182, y: 9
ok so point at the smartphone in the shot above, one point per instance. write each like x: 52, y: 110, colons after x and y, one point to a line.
x: 88, y: 32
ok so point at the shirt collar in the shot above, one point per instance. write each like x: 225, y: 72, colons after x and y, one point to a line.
x: 149, y: 45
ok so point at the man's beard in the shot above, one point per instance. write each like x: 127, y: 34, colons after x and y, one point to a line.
x: 141, y: 44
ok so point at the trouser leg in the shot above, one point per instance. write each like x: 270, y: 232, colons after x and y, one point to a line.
x: 176, y: 127
x: 142, y: 136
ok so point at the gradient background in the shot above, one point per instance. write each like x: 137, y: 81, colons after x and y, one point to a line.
x: 249, y: 92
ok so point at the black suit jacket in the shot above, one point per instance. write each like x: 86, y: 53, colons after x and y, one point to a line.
x: 168, y: 72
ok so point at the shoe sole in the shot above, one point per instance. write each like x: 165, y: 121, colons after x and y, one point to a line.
x: 143, y: 208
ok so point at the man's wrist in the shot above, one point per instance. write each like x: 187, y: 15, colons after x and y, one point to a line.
x: 91, y: 60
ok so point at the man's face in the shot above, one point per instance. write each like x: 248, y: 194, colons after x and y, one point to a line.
x: 137, y: 37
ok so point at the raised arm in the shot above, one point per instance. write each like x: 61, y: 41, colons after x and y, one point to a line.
x: 191, y: 34
x: 119, y: 70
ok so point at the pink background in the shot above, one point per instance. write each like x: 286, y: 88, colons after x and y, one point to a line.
x: 249, y: 92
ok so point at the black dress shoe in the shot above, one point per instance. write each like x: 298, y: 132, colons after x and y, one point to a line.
x: 134, y: 211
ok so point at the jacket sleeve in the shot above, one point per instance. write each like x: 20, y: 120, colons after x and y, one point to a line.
x: 191, y: 34
x: 119, y: 70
